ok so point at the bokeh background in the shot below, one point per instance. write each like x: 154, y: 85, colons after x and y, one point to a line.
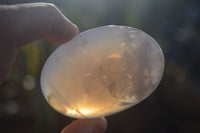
x: 173, y: 108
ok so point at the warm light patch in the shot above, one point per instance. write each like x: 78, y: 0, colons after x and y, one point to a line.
x: 114, y: 56
x: 73, y: 112
x: 87, y: 74
x: 79, y: 112
x: 86, y: 111
x: 105, y: 77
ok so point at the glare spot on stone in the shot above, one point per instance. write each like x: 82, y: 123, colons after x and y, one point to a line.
x: 123, y: 44
x: 73, y: 112
x: 105, y: 77
x: 111, y: 25
x: 114, y: 56
x: 129, y: 76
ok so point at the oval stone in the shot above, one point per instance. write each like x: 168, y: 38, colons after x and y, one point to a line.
x: 102, y: 71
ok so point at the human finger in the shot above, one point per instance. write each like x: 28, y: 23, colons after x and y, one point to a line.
x: 96, y: 125
x: 24, y: 23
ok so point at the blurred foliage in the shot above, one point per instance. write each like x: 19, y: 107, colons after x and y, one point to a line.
x: 173, y: 107
x: 33, y: 57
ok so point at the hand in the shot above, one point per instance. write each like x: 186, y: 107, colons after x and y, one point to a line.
x: 96, y: 125
x: 24, y: 23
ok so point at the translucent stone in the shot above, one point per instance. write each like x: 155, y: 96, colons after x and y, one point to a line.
x: 102, y: 71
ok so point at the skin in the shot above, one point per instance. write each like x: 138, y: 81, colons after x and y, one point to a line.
x: 25, y: 23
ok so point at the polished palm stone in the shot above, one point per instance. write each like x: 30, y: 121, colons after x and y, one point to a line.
x: 102, y: 71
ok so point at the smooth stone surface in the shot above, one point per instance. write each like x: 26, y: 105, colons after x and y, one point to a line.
x: 102, y: 71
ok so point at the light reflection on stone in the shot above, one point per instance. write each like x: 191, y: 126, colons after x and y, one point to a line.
x: 102, y: 71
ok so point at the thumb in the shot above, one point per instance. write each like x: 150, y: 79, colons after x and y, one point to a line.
x: 96, y: 125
